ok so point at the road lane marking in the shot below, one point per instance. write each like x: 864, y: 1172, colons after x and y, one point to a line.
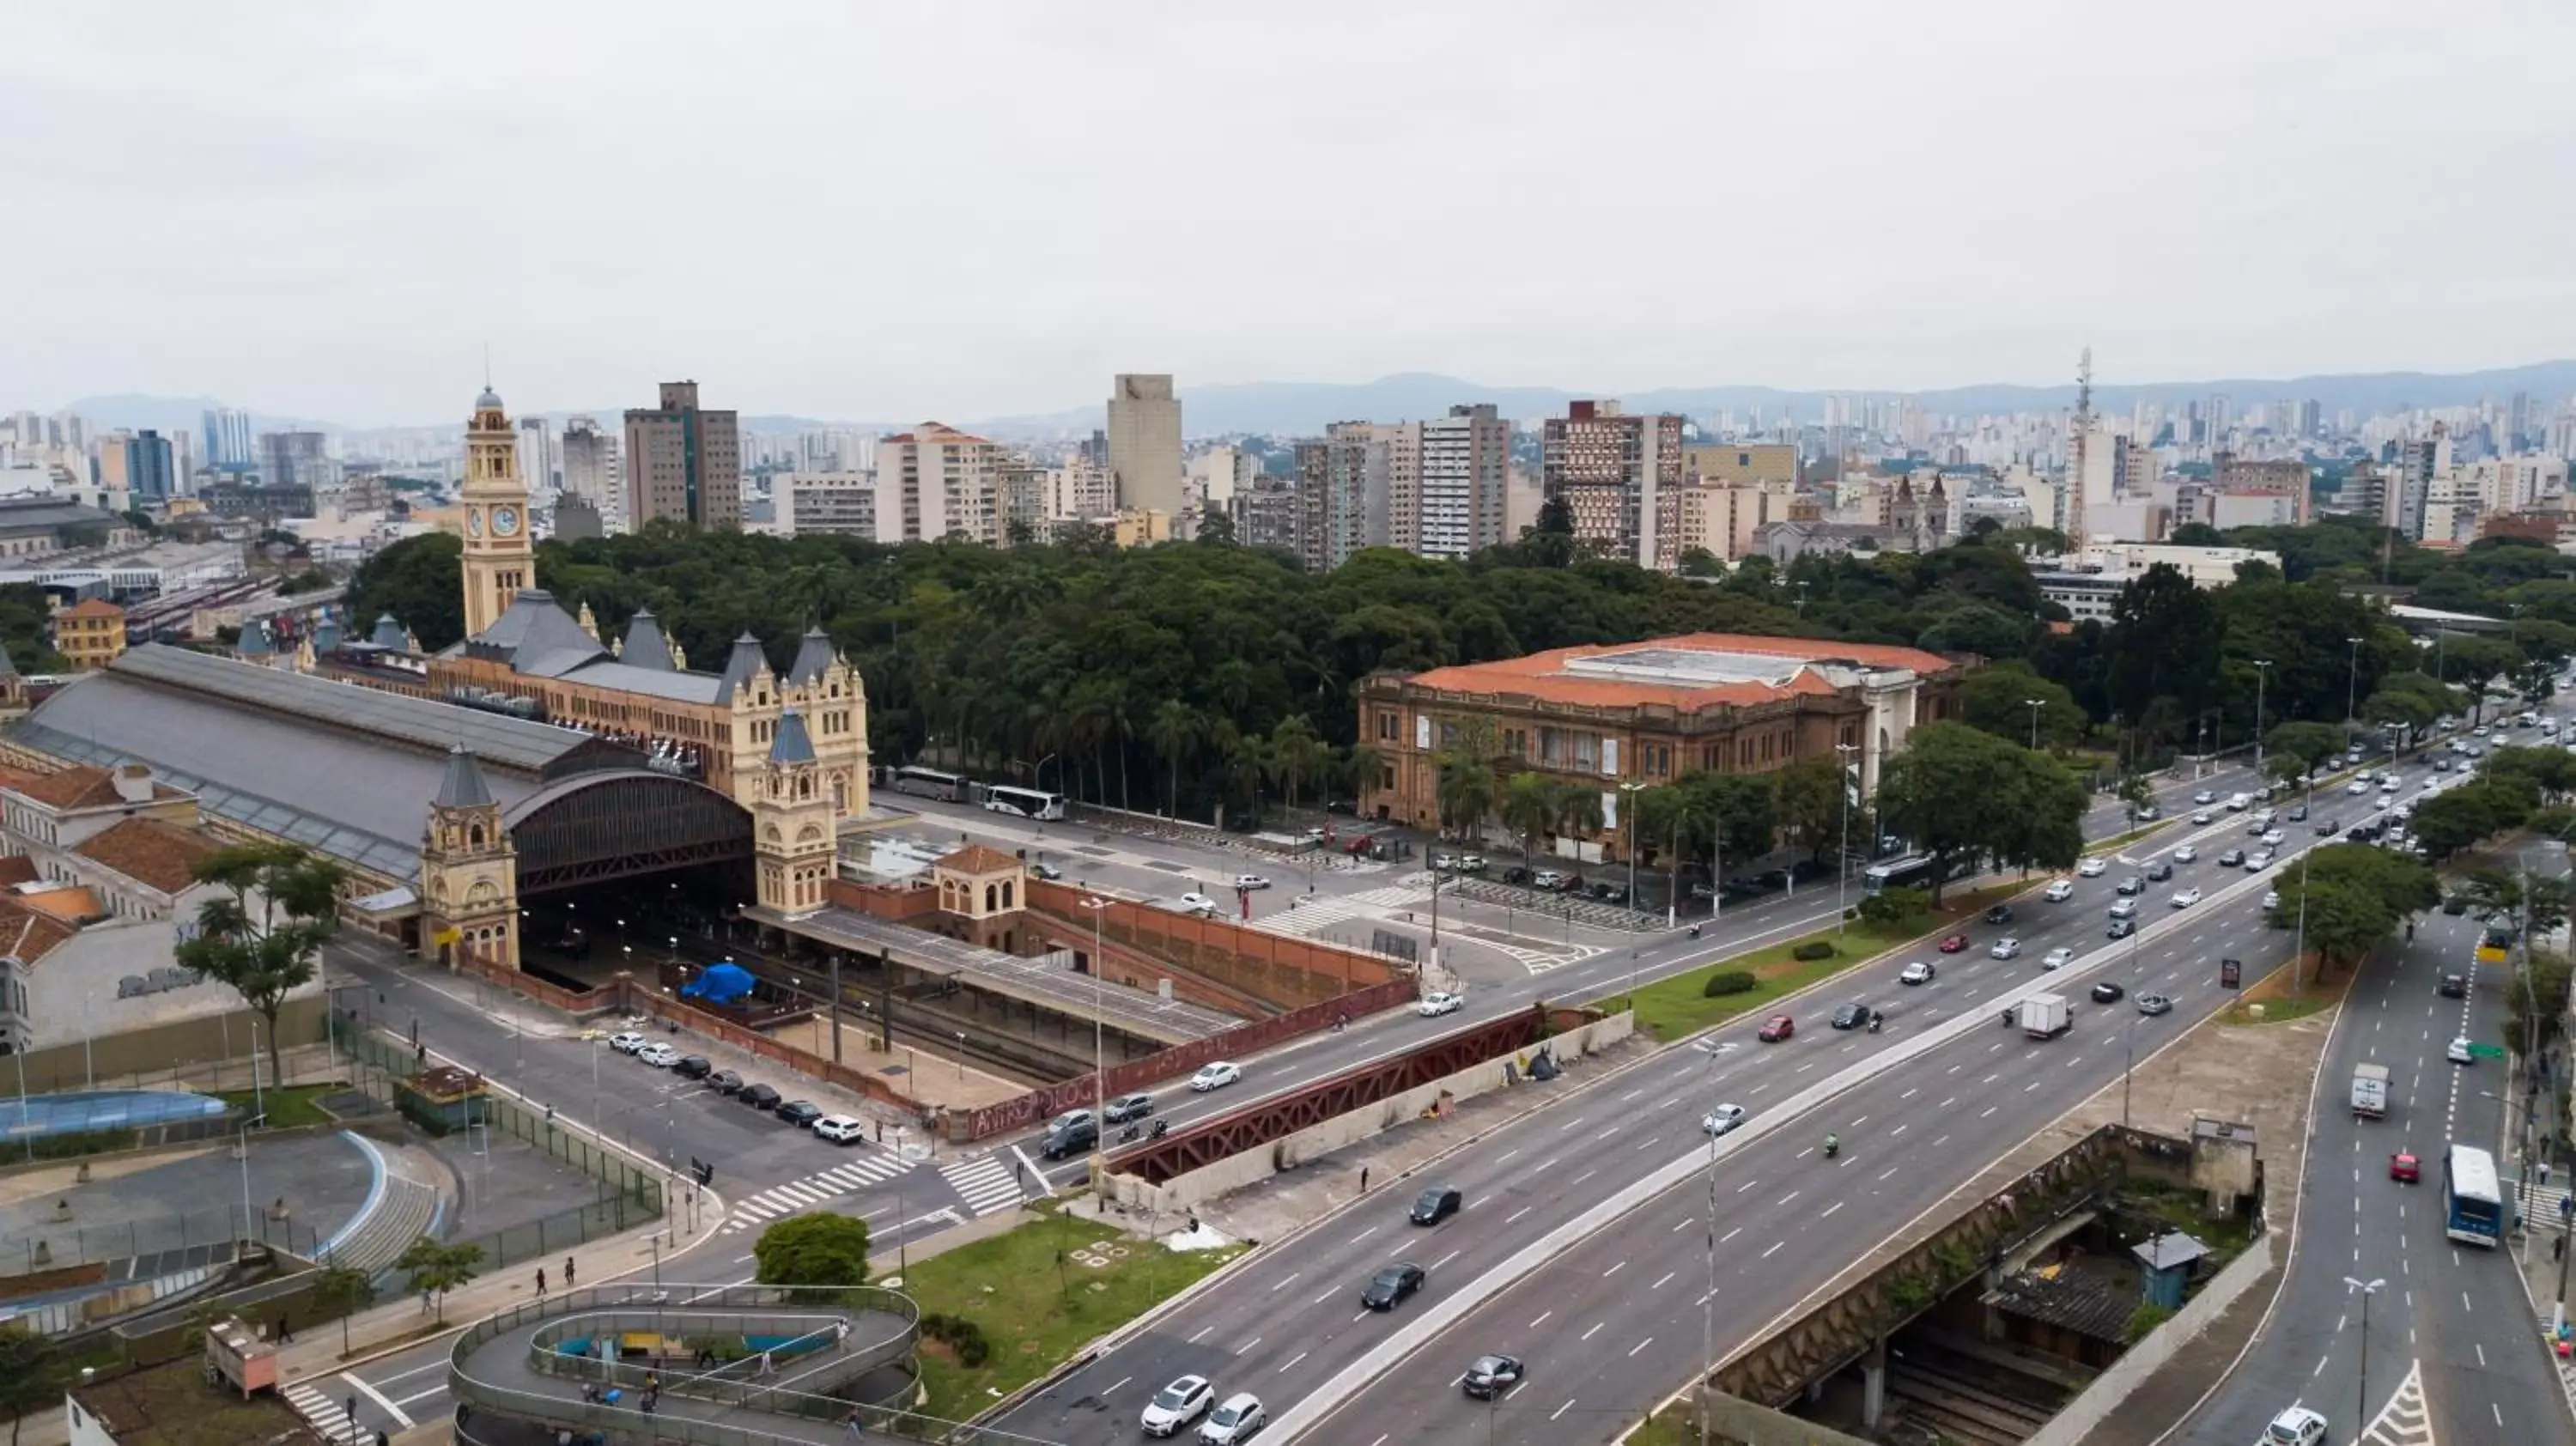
x: 1669, y: 1274
x: 1292, y: 1361
x: 1596, y: 1330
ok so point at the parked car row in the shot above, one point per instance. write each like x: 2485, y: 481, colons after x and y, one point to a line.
x: 805, y: 1114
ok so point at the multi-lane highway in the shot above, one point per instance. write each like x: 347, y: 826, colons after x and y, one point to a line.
x: 1610, y: 1316
x: 2451, y: 1322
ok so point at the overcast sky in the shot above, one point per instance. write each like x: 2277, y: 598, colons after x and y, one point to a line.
x: 867, y: 210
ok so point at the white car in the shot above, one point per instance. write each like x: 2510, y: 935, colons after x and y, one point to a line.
x: 626, y: 1043
x: 1197, y: 904
x: 2204, y: 816
x: 2389, y: 784
x: 2186, y: 854
x: 2204, y: 796
x: 2257, y: 863
x: 658, y: 1055
x: 1722, y: 1119
x: 1215, y: 1076
x: 2297, y: 1426
x: 840, y: 1129
x: 2092, y: 868
x: 2060, y: 891
x: 1236, y: 1420
x: 1177, y: 1405
x: 2005, y: 948
x: 2185, y: 898
x: 1250, y: 881
x: 2459, y: 1051
x: 2271, y: 898
x: 1917, y: 972
x: 2356, y: 787
x: 2058, y: 958
x: 2272, y: 838
x: 2236, y: 802
x: 1438, y: 1004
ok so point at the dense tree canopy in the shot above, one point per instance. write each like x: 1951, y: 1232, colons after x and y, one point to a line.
x: 1960, y: 794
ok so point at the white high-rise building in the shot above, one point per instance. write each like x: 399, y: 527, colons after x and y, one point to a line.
x: 537, y: 458
x: 1461, y: 482
x: 593, y: 472
x: 939, y: 481
x: 1145, y: 443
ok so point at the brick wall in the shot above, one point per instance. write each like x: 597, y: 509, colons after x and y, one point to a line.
x: 1287, y: 972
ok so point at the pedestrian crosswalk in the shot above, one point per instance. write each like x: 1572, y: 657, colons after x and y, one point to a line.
x: 985, y: 1182
x: 816, y: 1191
x: 328, y: 1417
x: 2544, y: 1204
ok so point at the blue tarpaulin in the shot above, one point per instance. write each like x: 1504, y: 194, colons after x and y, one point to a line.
x: 719, y: 984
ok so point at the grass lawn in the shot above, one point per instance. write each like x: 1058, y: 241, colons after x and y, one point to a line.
x: 2117, y: 842
x: 287, y: 1107
x: 2279, y: 1004
x: 171, y: 1405
x: 1672, y: 1008
x: 1037, y: 1302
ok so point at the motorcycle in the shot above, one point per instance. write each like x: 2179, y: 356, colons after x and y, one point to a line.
x: 1874, y: 1021
x: 1159, y: 1127
x: 1129, y: 1135
x: 1694, y: 933
x: 1833, y: 1147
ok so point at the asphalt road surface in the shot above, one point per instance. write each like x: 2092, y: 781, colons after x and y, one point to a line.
x: 2457, y: 1311
x: 1612, y: 1321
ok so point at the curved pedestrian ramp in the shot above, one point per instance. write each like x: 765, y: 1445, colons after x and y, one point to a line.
x: 745, y: 1365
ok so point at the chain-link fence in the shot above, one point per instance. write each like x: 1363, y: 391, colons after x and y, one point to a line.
x: 66, y: 1243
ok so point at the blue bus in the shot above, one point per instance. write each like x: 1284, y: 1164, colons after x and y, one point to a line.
x: 2472, y: 1200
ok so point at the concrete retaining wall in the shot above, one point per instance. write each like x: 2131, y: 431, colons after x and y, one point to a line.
x: 1732, y: 1419
x: 1185, y: 1192
x: 2073, y: 1425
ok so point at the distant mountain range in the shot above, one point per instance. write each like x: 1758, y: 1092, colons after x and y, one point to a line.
x: 1307, y: 407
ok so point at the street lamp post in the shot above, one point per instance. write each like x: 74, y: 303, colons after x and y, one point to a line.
x: 1628, y: 815
x: 2361, y: 1386
x: 2262, y: 674
x: 1842, y: 857
x: 2351, y: 680
x: 2034, y: 705
x: 1099, y: 1058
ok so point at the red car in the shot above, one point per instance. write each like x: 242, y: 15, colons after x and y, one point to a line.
x: 1777, y: 1028
x: 2405, y: 1167
x: 1955, y: 944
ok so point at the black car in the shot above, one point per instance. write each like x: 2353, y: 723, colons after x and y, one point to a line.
x: 2123, y: 928
x: 799, y: 1113
x: 2000, y: 914
x: 2455, y: 986
x: 1130, y: 1107
x: 725, y: 1081
x: 1437, y: 1204
x: 2232, y: 859
x: 759, y: 1096
x: 2107, y: 992
x: 1516, y: 875
x: 1851, y: 1016
x: 2455, y: 906
x: 1074, y: 1137
x: 2130, y: 887
x: 1390, y: 1286
x: 2328, y: 829
x: 695, y: 1066
x: 1492, y: 1376
x: 2159, y: 871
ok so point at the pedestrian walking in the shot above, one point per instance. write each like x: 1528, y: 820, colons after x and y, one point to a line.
x: 766, y: 1367
x: 286, y: 1333
x: 1364, y: 1179
x: 541, y: 1280
x: 852, y: 1421
x: 424, y: 1302
x: 567, y: 1272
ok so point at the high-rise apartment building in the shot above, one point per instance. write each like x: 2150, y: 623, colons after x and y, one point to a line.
x: 151, y: 468
x: 1614, y: 472
x: 1459, y: 484
x: 1270, y: 512
x: 537, y: 457
x: 683, y: 462
x: 1081, y: 491
x: 938, y: 481
x: 295, y: 459
x: 227, y: 440
x: 1740, y: 463
x: 1145, y: 443
x: 591, y: 471
x: 1342, y: 491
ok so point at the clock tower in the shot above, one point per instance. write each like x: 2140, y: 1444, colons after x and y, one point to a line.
x: 499, y: 558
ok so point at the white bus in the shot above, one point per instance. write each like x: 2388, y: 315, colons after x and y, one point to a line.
x: 1024, y: 802
x: 2472, y: 1199
x: 930, y: 783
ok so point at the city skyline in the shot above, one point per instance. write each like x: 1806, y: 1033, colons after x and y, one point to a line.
x: 1930, y: 197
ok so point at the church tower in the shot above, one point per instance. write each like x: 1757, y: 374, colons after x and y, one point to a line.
x: 499, y: 557
x: 793, y: 835
x: 469, y: 871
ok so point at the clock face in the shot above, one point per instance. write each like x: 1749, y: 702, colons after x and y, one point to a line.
x: 505, y: 521
x: 474, y: 522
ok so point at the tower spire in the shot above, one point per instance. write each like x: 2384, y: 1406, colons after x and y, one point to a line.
x: 2080, y: 452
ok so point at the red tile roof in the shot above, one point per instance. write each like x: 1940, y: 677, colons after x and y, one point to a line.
x: 84, y: 785
x: 1543, y: 675
x: 151, y: 852
x: 977, y: 859
x: 27, y: 935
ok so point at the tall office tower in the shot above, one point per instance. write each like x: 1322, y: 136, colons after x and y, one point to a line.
x: 938, y: 481
x: 591, y: 471
x: 2222, y: 415
x: 228, y: 440
x: 2082, y: 449
x: 2562, y: 434
x: 537, y: 457
x: 2517, y: 423
x: 295, y: 459
x: 683, y: 463
x: 1612, y: 471
x: 1145, y: 443
x: 1342, y: 493
x: 184, y: 460
x: 151, y: 470
x: 2311, y: 419
x: 1461, y: 481
x: 2419, y: 463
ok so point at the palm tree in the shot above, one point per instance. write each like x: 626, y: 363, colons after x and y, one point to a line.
x: 1296, y: 755
x: 1364, y: 764
x: 1465, y: 791
x: 1529, y: 806
x: 1174, y: 731
x: 1578, y: 809
x: 1681, y: 813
